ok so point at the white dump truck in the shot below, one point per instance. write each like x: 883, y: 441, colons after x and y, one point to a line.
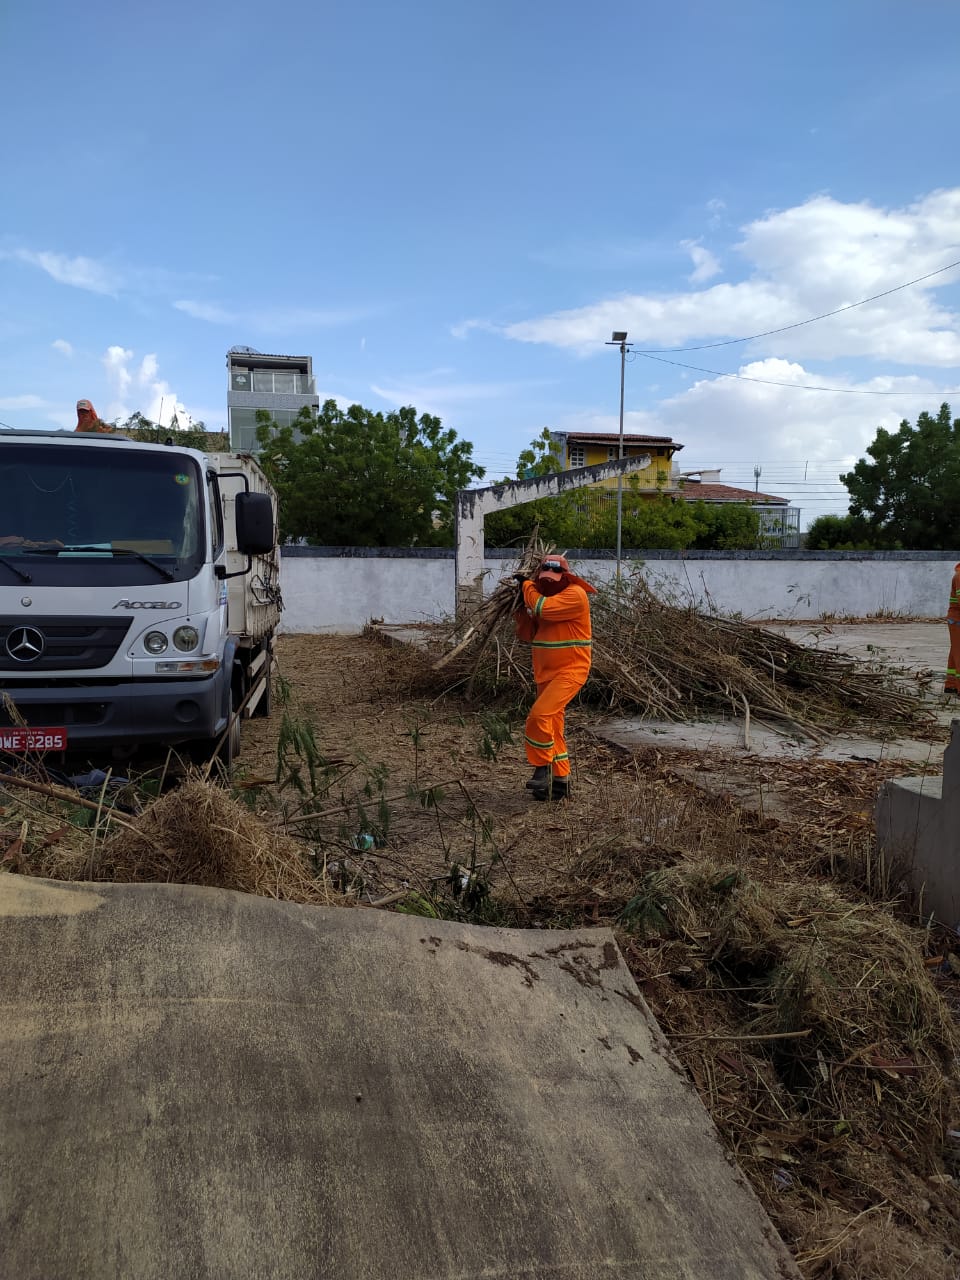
x: 139, y: 595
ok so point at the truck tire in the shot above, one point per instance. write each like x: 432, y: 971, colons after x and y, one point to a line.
x: 226, y: 752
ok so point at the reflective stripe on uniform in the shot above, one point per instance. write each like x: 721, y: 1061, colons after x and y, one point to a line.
x: 538, y: 607
x: 544, y: 746
x: 562, y: 644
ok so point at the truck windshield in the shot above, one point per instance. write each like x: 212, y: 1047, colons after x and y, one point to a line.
x: 106, y: 503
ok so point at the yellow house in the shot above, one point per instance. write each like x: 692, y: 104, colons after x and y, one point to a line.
x: 584, y: 448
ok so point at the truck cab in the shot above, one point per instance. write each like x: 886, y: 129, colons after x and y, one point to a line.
x: 139, y: 594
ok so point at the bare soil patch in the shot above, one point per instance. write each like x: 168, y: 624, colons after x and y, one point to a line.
x: 812, y: 1015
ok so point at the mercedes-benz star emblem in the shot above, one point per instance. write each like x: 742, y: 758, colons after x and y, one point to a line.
x: 25, y: 644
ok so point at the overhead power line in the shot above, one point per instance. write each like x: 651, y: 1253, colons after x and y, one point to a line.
x: 825, y: 315
x: 797, y: 386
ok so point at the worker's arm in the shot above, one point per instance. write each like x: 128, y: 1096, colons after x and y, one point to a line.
x: 566, y: 605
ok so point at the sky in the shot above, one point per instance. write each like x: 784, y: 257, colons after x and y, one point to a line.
x: 453, y: 206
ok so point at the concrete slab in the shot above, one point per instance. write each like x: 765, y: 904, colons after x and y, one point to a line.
x: 204, y: 1084
x: 918, y: 646
x: 727, y: 737
x: 918, y: 833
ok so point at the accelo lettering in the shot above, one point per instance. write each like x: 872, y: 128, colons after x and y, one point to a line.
x: 148, y: 604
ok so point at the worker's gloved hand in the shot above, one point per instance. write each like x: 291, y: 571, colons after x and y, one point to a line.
x: 521, y: 578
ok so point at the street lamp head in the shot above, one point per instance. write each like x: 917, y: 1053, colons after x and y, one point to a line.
x: 619, y: 335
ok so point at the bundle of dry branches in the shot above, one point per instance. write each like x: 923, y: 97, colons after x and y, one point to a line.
x: 672, y: 662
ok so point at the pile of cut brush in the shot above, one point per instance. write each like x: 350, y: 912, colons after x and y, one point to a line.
x: 670, y: 661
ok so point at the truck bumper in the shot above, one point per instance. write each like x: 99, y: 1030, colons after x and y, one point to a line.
x: 127, y: 714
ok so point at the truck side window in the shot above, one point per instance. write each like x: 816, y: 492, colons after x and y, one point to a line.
x: 215, y: 512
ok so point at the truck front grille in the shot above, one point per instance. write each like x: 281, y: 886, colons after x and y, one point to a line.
x: 59, y: 644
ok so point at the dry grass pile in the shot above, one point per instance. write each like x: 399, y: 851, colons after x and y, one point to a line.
x: 198, y: 834
x: 673, y: 662
x: 859, y: 1035
x: 814, y: 1032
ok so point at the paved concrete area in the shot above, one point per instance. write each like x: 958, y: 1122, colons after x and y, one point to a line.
x: 199, y: 1083
x: 919, y: 646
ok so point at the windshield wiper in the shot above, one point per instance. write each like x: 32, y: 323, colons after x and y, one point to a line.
x: 108, y: 551
x: 24, y: 577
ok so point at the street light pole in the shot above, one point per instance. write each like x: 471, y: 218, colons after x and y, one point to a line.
x: 619, y: 339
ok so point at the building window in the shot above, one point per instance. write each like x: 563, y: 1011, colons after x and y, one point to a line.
x: 272, y: 381
x: 576, y: 455
x: 613, y: 453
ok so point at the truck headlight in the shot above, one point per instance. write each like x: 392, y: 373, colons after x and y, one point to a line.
x: 185, y: 638
x: 155, y: 642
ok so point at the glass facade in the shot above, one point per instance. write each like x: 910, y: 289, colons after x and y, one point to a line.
x: 243, y: 427
x: 272, y: 381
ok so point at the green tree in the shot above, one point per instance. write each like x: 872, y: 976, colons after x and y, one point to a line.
x: 359, y: 478
x: 137, y: 427
x: 732, y: 526
x: 908, y: 493
x: 557, y: 518
x: 838, y: 533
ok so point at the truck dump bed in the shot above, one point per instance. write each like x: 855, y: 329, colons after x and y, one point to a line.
x: 253, y: 599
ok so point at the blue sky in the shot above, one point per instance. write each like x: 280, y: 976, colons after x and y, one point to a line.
x: 452, y: 205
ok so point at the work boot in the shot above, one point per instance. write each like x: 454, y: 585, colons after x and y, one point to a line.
x: 539, y: 784
x: 560, y: 789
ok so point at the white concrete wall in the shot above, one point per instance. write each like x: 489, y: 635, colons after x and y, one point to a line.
x: 343, y: 593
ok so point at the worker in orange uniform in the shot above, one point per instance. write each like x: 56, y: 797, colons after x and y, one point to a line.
x: 87, y: 419
x: 558, y: 607
x: 952, y: 682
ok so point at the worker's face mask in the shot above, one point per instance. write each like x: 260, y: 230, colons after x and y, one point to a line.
x: 549, y: 582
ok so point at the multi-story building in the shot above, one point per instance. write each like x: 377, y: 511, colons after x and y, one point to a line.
x: 283, y: 385
x: 584, y: 448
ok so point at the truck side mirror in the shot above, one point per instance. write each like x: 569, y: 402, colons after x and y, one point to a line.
x: 255, y: 531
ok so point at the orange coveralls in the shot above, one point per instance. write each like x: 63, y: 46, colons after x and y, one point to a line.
x: 561, y: 664
x: 952, y: 682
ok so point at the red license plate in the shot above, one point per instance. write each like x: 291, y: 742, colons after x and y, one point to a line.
x: 28, y: 738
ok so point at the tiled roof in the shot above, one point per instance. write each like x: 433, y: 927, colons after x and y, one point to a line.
x: 613, y: 437
x: 696, y: 491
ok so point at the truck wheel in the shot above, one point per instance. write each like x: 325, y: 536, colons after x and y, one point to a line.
x: 230, y: 748
x: 224, y: 753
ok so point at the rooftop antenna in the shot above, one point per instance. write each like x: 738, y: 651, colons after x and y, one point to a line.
x: 756, y: 479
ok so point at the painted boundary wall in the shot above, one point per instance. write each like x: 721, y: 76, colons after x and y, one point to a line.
x: 340, y: 589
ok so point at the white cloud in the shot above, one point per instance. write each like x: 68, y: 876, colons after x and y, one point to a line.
x: 466, y: 327
x: 736, y: 424
x: 64, y: 347
x: 803, y: 261
x: 440, y: 397
x: 705, y: 264
x: 80, y: 272
x: 141, y: 383
x: 206, y: 311
x: 22, y: 402
x: 270, y: 320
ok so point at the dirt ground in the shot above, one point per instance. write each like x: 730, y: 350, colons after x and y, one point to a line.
x: 425, y: 796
